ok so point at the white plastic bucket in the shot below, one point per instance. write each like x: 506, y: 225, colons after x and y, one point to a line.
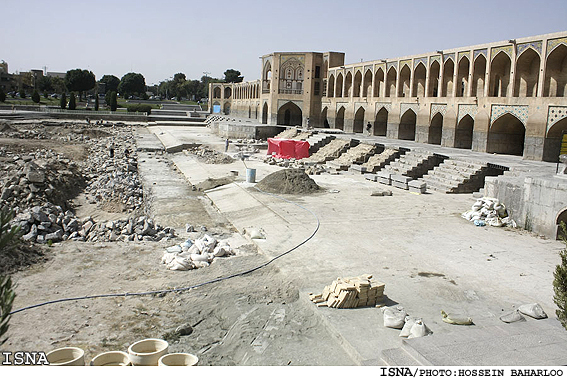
x: 66, y: 356
x: 147, y: 352
x: 111, y: 358
x: 251, y: 175
x: 178, y: 359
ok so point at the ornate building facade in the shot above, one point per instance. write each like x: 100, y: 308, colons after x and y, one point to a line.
x: 507, y: 97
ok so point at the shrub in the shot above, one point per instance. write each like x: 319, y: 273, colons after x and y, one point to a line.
x: 2, y: 96
x: 23, y: 94
x: 139, y: 108
x: 35, y: 97
x: 63, y: 101
x: 72, y: 101
x: 113, y: 101
x: 560, y: 282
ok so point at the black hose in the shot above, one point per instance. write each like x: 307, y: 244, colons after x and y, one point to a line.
x: 193, y: 286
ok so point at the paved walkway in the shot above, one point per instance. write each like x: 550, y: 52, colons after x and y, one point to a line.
x: 429, y: 257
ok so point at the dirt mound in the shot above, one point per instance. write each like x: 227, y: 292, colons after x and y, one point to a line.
x: 292, y: 181
x: 214, y: 183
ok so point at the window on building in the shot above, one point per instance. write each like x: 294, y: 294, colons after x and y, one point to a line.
x: 317, y: 72
x: 317, y: 89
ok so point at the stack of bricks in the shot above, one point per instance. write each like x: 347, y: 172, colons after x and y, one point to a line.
x: 355, y: 292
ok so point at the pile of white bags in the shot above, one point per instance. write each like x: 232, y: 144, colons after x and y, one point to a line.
x: 412, y: 327
x: 489, y: 211
x: 189, y: 255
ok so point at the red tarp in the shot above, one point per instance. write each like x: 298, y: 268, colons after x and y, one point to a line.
x: 288, y: 148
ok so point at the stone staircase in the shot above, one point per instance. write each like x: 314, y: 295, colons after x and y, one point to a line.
x: 357, y: 154
x: 330, y: 151
x: 376, y: 162
x: 318, y: 140
x: 414, y: 164
x: 459, y: 176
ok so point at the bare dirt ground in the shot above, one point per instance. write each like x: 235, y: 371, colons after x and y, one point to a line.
x: 256, y: 319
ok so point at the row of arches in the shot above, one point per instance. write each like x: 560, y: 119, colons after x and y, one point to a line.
x: 245, y: 91
x: 461, y: 79
x: 506, y: 135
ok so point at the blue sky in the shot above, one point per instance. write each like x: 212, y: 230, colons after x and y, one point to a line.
x: 161, y: 38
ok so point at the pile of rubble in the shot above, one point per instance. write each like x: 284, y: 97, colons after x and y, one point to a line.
x: 112, y: 172
x: 350, y: 293
x: 49, y: 222
x: 310, y: 168
x: 210, y: 156
x: 190, y: 255
x: 489, y: 211
x: 357, y: 154
x: 38, y: 177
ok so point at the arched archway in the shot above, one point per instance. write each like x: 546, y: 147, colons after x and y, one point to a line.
x: 555, y: 84
x: 434, y: 79
x: 226, y: 108
x: 527, y: 74
x: 462, y: 77
x: 358, y: 126
x: 265, y: 113
x: 552, y: 143
x: 216, y: 93
x: 367, y: 84
x: 435, y: 130
x: 339, y: 87
x: 348, y: 84
x: 419, y: 76
x: 404, y: 90
x: 464, y: 133
x: 391, y: 82
x: 340, y: 119
x: 506, y: 136
x: 479, y: 69
x: 378, y: 82
x: 357, y: 84
x: 381, y: 122
x: 216, y: 107
x: 331, y: 86
x: 561, y: 218
x: 290, y: 114
x: 227, y: 92
x: 324, y: 121
x: 406, y: 130
x: 499, y: 75
x: 448, y: 71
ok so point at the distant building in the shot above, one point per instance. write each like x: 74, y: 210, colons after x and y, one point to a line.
x: 7, y: 82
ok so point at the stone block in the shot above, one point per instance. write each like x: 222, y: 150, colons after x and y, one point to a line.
x: 384, y: 177
x: 401, y: 185
x: 417, y: 186
x: 401, y: 178
x: 371, y: 177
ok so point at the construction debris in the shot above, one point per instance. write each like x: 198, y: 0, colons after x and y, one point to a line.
x: 489, y: 211
x: 456, y: 319
x: 190, y: 255
x: 292, y: 181
x: 354, y: 292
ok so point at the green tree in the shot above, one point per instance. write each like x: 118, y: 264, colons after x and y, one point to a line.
x: 45, y: 84
x: 35, y: 97
x: 232, y: 76
x: 113, y: 101
x: 132, y: 83
x: 2, y: 96
x: 96, y: 102
x: 8, y: 239
x: 63, y: 101
x: 72, y: 102
x: 560, y: 281
x: 79, y: 80
x: 58, y: 84
x: 111, y: 83
x: 23, y: 94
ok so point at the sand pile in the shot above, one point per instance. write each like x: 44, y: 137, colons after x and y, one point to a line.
x: 292, y: 181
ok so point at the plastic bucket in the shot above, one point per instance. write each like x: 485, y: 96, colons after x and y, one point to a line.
x: 178, y: 359
x: 251, y: 175
x: 111, y: 358
x: 147, y: 352
x: 66, y: 356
